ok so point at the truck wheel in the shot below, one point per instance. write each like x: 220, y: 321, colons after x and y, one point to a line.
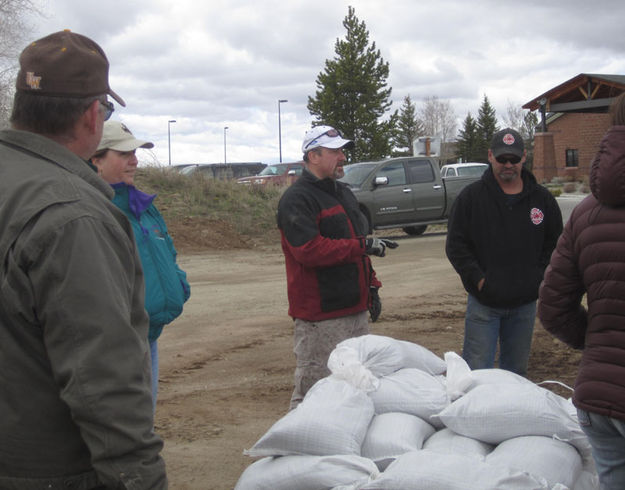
x: 415, y: 230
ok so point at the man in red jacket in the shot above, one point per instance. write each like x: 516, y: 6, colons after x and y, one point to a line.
x: 330, y: 281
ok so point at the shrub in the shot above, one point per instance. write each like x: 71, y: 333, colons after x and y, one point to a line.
x: 251, y: 210
x: 569, y: 187
x: 555, y: 192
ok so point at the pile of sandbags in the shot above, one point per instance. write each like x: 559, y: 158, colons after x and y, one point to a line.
x: 395, y: 416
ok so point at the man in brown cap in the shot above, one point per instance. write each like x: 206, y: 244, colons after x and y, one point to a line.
x: 75, y: 400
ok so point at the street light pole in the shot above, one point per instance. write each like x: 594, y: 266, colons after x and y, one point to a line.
x: 169, y: 138
x: 225, y: 127
x: 280, y: 128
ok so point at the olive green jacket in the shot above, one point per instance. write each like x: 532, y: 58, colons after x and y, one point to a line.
x: 75, y: 399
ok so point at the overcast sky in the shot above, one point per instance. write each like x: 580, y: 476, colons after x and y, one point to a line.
x: 216, y: 63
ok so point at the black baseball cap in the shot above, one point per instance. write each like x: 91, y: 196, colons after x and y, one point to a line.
x: 507, y: 142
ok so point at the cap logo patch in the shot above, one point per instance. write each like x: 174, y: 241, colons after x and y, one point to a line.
x: 32, y: 81
x: 537, y: 216
x: 508, y: 139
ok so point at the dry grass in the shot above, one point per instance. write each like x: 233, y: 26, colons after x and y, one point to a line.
x: 249, y: 209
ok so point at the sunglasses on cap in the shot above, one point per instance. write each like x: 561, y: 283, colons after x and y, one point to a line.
x: 508, y: 159
x: 331, y: 133
x: 108, y: 109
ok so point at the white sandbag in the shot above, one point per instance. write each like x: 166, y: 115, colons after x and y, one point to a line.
x: 495, y: 376
x: 410, y: 391
x: 448, y: 442
x: 332, y: 419
x: 458, y: 377
x: 344, y: 363
x: 494, y: 413
x: 393, y: 434
x: 587, y: 480
x: 385, y: 355
x: 555, y: 461
x: 306, y: 473
x: 432, y: 470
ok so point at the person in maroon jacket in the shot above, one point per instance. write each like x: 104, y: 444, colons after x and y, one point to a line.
x: 590, y: 260
x: 330, y: 281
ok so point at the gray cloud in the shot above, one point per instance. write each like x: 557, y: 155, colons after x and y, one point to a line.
x: 226, y: 63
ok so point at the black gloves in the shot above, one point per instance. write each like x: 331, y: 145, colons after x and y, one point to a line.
x: 375, y: 305
x: 377, y: 246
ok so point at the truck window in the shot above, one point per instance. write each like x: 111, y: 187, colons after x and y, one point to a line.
x: 420, y: 171
x: 472, y: 171
x: 394, y: 172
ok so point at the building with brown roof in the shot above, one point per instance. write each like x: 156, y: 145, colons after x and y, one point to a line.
x: 574, y: 119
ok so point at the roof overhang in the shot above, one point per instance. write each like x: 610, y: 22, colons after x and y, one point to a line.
x: 583, y: 93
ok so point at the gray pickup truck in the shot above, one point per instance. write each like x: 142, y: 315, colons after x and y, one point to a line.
x: 406, y: 192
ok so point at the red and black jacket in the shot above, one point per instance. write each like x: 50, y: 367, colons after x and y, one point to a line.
x: 323, y: 233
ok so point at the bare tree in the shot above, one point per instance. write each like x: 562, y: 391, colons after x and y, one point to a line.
x: 438, y: 119
x: 523, y: 121
x: 14, y: 31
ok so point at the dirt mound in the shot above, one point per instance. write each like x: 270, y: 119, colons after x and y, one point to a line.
x: 201, y: 234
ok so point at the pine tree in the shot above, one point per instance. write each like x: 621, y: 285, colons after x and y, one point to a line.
x: 469, y: 140
x: 487, y: 127
x: 352, y: 93
x: 409, y: 127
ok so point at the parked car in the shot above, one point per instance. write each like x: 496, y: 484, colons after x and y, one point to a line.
x: 180, y: 167
x: 223, y: 171
x: 276, y: 174
x: 406, y: 192
x: 468, y: 169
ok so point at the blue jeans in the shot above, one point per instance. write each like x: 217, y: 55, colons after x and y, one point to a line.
x: 607, y: 438
x: 484, y: 326
x: 154, y: 357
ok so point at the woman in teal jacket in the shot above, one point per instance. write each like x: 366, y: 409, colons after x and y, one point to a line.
x: 166, y: 286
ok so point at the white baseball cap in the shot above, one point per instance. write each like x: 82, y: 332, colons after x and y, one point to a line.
x: 117, y: 136
x: 326, y: 137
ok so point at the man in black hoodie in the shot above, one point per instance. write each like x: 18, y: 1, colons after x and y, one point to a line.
x: 501, y: 232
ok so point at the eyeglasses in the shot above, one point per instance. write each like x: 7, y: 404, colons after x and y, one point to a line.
x: 332, y: 133
x: 513, y: 159
x: 108, y: 108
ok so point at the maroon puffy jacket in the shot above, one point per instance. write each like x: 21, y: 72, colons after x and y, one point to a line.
x: 590, y: 259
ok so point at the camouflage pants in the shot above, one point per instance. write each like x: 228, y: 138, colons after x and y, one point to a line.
x: 313, y: 343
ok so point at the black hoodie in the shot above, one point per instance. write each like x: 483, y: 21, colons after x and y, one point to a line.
x: 505, y: 239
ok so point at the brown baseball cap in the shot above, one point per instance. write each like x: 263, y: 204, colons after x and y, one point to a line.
x: 65, y: 64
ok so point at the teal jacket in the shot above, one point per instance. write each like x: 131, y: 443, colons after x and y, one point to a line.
x: 166, y: 286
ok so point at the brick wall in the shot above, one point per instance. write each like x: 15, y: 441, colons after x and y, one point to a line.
x: 544, y: 167
x: 571, y: 131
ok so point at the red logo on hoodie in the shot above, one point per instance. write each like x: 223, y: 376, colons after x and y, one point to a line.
x: 537, y: 216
